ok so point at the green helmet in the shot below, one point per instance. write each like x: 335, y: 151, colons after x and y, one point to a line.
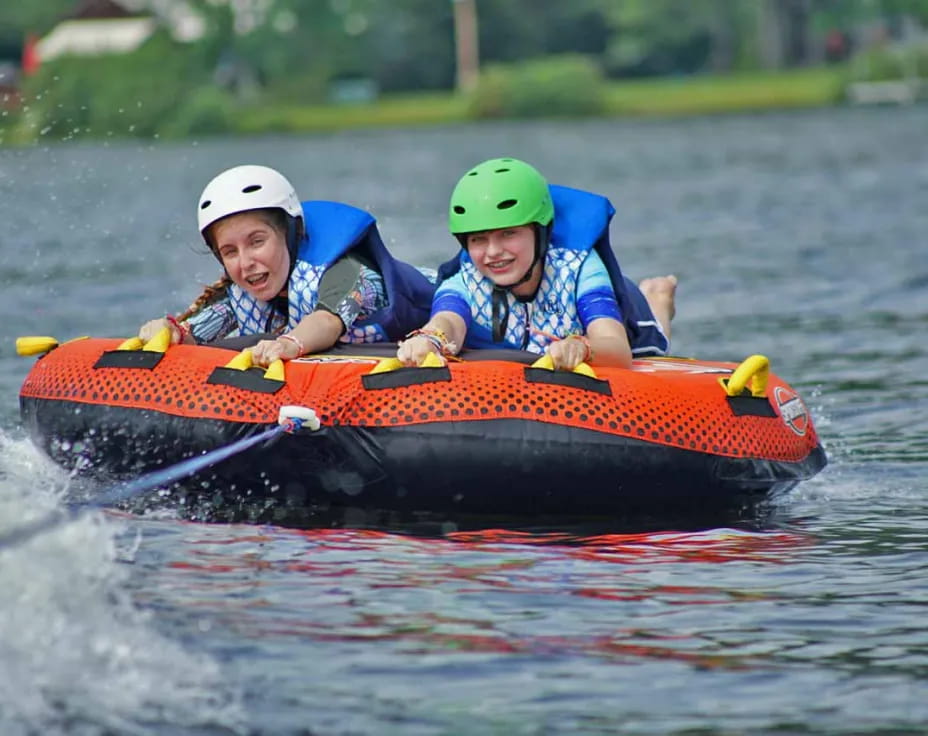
x: 501, y: 192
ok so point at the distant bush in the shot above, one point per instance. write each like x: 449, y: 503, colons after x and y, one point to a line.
x: 206, y: 111
x: 389, y: 110
x: 133, y: 94
x: 298, y: 88
x: 566, y: 85
x: 890, y: 63
x: 707, y: 94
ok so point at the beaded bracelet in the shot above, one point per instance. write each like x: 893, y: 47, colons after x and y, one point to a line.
x: 296, y: 341
x: 435, y: 336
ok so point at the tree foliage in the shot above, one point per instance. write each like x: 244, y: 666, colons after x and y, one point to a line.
x: 131, y: 94
x: 292, y: 51
x: 20, y: 18
x: 409, y: 44
x: 553, y: 86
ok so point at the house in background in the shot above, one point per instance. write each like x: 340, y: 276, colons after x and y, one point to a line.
x: 98, y: 27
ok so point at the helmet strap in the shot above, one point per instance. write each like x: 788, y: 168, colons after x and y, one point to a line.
x: 500, y: 312
x: 542, y: 233
x: 294, y: 236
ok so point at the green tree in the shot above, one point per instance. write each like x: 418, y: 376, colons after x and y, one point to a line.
x: 667, y: 37
x: 135, y: 94
x: 19, y: 18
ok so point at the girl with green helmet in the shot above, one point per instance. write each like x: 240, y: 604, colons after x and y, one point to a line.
x: 536, y: 272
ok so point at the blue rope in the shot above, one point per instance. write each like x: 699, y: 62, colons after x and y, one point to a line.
x: 147, y: 482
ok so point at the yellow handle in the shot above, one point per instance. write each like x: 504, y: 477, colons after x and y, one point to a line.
x: 432, y: 361
x: 275, y: 371
x: 386, y: 365
x: 546, y: 362
x: 391, y: 364
x: 585, y: 369
x: 160, y: 342
x: 35, y: 345
x: 133, y: 343
x: 755, y: 369
x: 241, y: 362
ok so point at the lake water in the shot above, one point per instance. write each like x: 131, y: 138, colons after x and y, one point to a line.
x: 802, y: 236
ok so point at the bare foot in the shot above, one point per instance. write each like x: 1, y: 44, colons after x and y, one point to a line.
x: 660, y: 292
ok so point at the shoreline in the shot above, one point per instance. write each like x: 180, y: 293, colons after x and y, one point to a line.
x: 664, y: 97
x: 655, y: 97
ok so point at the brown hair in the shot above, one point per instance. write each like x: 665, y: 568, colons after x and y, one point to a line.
x: 271, y: 216
x: 211, y: 293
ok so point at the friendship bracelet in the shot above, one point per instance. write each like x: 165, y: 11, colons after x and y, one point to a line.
x: 434, y: 339
x: 296, y: 341
x: 183, y: 329
x: 438, y: 339
x: 583, y: 338
x: 430, y: 332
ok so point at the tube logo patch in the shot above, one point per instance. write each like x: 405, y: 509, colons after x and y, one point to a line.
x: 792, y: 410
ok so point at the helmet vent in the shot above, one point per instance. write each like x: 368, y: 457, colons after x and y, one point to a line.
x: 251, y: 188
x: 507, y: 203
x: 205, y: 203
x: 500, y: 171
x: 458, y: 210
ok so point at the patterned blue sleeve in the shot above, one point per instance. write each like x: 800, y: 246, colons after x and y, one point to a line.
x: 595, y: 293
x: 451, y: 296
x: 215, y: 321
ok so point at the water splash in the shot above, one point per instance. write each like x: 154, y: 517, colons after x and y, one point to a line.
x: 76, y: 653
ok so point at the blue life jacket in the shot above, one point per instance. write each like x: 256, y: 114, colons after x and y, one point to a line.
x: 581, y: 223
x: 332, y: 230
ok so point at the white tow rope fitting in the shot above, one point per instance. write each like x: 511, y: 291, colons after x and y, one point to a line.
x: 293, y: 418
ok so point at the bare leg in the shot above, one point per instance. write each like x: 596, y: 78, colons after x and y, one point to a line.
x: 660, y: 291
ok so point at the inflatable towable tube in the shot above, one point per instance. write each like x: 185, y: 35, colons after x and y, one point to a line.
x: 491, y: 434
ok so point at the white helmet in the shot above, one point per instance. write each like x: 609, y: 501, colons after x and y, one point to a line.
x: 245, y: 188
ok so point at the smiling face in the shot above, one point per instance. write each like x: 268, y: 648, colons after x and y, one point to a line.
x: 504, y: 256
x: 253, y: 250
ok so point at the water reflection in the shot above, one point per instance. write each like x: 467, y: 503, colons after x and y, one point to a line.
x: 723, y: 599
x: 244, y: 579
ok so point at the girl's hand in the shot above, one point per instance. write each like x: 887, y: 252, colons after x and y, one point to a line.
x: 413, y: 351
x: 153, y: 327
x: 570, y: 352
x: 267, y: 351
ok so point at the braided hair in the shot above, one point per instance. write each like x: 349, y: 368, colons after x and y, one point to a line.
x: 212, y: 293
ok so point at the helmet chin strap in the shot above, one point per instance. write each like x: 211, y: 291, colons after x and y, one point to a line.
x: 293, y: 244
x: 542, y: 233
x: 500, y: 313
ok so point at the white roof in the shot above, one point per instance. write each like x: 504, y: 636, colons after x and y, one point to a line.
x: 95, y: 37
x: 98, y: 36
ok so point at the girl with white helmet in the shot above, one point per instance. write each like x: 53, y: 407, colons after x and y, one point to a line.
x: 305, y: 274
